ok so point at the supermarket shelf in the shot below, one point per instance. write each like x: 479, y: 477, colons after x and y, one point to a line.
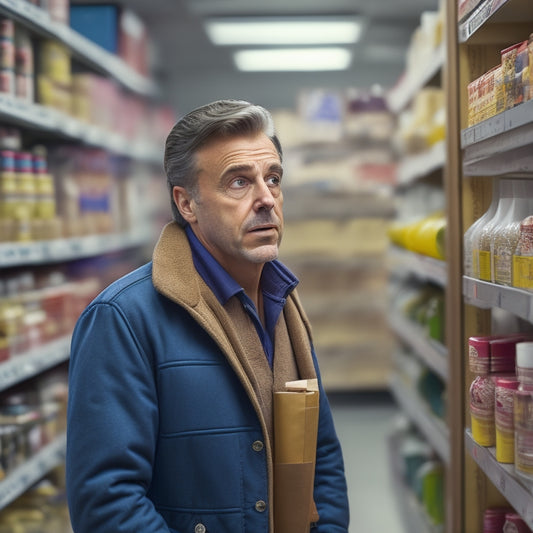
x: 414, y: 517
x: 424, y: 267
x: 412, y: 82
x: 433, y: 429
x: 28, y: 473
x: 485, y: 295
x: 57, y: 250
x: 38, y: 20
x: 517, y: 491
x: 33, y: 362
x: 434, y: 354
x: 500, y: 145
x: 48, y: 119
x: 417, y: 166
x: 503, y: 11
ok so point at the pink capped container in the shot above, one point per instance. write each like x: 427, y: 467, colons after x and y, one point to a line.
x: 514, y: 523
x: 524, y: 365
x: 504, y: 388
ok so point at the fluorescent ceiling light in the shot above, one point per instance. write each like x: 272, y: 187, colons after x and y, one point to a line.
x: 283, y: 31
x: 293, y: 59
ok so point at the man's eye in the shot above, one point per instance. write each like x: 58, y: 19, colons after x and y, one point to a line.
x: 238, y: 183
x: 274, y: 181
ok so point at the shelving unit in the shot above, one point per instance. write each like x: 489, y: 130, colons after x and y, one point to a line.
x: 412, y: 82
x: 423, y: 267
x: 430, y: 165
x: 38, y: 20
x: 59, y: 250
x: 516, y: 490
x: 496, y: 147
x: 28, y: 473
x: 433, y: 428
x: 34, y: 362
x: 432, y: 353
x: 54, y: 125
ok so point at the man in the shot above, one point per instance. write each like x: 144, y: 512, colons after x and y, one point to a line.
x: 173, y: 367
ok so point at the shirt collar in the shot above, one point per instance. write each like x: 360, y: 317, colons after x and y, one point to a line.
x: 276, y: 280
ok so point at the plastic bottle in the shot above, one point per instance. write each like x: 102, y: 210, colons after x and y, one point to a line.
x: 503, y: 416
x: 506, y: 233
x: 523, y: 407
x: 471, y: 263
x: 481, y: 248
x: 523, y: 256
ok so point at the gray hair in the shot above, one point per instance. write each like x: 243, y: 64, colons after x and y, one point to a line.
x: 223, y: 118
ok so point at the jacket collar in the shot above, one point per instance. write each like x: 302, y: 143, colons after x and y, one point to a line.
x: 175, y: 276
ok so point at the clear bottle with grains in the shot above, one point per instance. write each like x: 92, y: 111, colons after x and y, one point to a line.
x: 523, y: 256
x: 506, y: 233
x: 471, y: 236
x: 482, y: 246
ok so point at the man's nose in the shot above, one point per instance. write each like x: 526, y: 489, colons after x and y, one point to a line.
x: 264, y: 199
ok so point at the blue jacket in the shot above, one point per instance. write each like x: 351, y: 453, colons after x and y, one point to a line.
x: 164, y: 432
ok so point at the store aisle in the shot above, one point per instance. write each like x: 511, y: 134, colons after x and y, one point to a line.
x: 363, y: 423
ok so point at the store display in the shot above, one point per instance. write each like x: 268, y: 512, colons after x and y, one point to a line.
x: 504, y: 86
x: 55, y: 188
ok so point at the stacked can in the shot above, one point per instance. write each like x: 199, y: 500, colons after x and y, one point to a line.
x: 7, y: 56
x: 24, y: 65
x: 505, y: 388
x: 489, y: 357
x: 515, y: 524
x: 8, y: 194
x: 494, y: 519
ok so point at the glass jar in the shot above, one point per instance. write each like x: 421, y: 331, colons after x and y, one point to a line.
x: 503, y: 418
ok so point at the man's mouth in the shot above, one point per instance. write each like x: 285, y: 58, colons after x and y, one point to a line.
x: 264, y: 227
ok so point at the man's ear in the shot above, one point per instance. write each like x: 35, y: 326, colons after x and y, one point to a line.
x: 185, y: 203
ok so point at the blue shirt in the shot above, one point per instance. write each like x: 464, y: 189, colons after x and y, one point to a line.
x: 277, y: 281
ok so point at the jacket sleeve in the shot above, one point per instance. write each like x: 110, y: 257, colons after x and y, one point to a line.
x: 330, y: 492
x: 112, y: 424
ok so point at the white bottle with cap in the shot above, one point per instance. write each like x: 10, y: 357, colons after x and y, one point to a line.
x: 524, y: 365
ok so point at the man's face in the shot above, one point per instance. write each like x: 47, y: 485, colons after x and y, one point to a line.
x: 237, y: 211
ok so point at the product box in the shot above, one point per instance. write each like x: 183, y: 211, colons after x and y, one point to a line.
x: 99, y: 23
x: 117, y: 30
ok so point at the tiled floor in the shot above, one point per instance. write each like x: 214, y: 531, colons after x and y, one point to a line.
x: 363, y: 423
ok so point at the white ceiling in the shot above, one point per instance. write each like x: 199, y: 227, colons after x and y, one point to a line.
x: 191, y: 71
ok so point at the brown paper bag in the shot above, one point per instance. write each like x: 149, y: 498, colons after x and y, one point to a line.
x: 295, y: 435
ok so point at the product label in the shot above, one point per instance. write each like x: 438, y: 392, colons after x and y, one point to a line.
x: 485, y: 271
x: 522, y: 272
x: 502, y: 269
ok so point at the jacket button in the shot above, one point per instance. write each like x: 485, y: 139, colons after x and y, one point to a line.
x: 199, y: 528
x: 257, y: 446
x: 260, y: 506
